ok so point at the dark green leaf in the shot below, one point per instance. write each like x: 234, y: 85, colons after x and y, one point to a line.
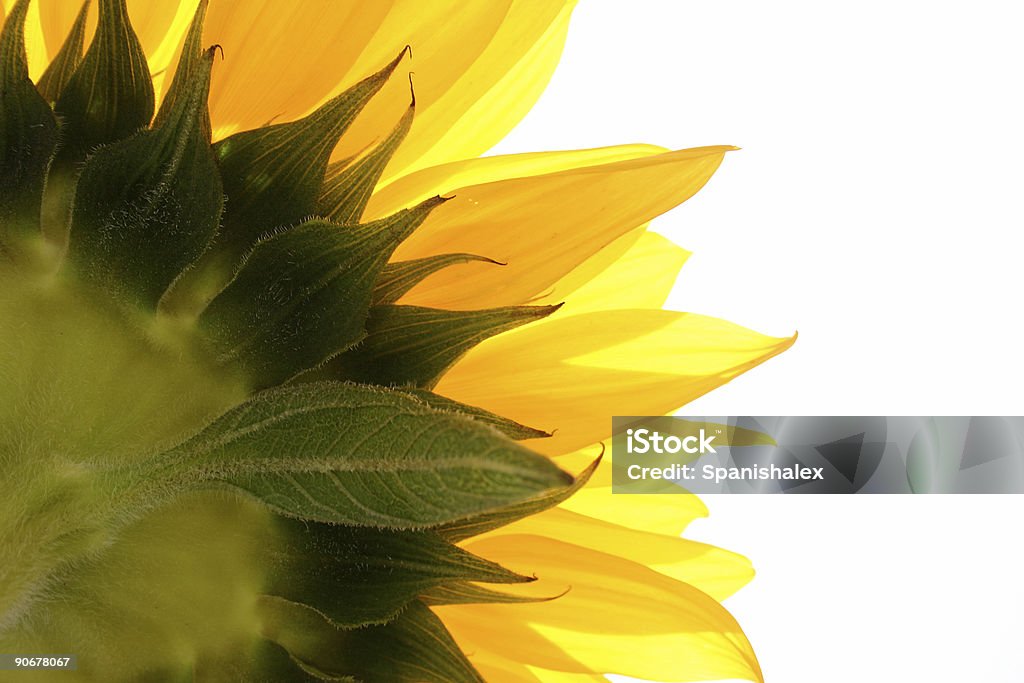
x: 148, y: 206
x: 356, y: 576
x: 28, y: 137
x: 509, y: 428
x: 398, y: 278
x: 302, y: 295
x: 273, y: 175
x: 494, y: 519
x: 412, y: 346
x: 364, y: 456
x: 110, y: 96
x: 346, y: 191
x: 413, y: 648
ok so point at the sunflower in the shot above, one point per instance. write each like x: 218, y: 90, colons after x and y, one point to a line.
x: 296, y: 387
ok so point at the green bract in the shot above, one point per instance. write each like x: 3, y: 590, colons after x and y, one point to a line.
x: 221, y: 456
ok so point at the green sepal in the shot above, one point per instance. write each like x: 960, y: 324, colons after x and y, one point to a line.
x: 273, y: 175
x: 302, y: 295
x: 51, y: 84
x: 401, y: 276
x: 346, y: 191
x: 191, y: 59
x: 510, y: 428
x: 413, y: 346
x: 465, y: 593
x: 413, y: 648
x: 147, y: 207
x: 358, y: 455
x: 494, y: 519
x: 357, y: 576
x: 261, y: 661
x: 110, y: 95
x: 28, y: 137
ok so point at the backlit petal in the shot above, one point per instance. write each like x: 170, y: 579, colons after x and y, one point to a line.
x: 545, y: 226
x: 717, y: 572
x: 617, y: 617
x: 660, y: 514
x: 281, y: 59
x: 639, y: 276
x: 569, y: 374
x: 499, y: 54
x: 444, y: 179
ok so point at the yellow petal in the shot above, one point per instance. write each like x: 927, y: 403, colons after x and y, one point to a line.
x: 660, y: 514
x: 444, y: 179
x: 545, y: 226
x: 502, y: 52
x: 617, y: 617
x: 639, y: 276
x: 498, y: 90
x: 714, y: 571
x: 283, y: 58
x: 571, y: 374
x: 548, y: 676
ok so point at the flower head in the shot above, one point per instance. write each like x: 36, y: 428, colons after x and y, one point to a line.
x: 296, y: 387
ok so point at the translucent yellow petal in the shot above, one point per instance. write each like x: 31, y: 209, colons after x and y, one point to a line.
x: 444, y: 179
x: 545, y: 226
x: 282, y: 58
x: 501, y: 670
x: 548, y: 676
x: 660, y: 514
x: 617, y: 617
x: 641, y: 276
x: 717, y: 572
x: 462, y: 52
x: 56, y: 19
x: 470, y: 118
x: 571, y: 374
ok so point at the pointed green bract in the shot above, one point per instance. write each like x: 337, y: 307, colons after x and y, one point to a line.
x: 363, y: 456
x: 510, y: 428
x: 361, y: 576
x: 412, y: 346
x: 261, y: 662
x: 398, y: 278
x: 302, y: 296
x: 273, y: 175
x: 191, y: 59
x: 63, y: 66
x: 464, y: 593
x: 110, y: 95
x: 146, y: 207
x: 495, y: 519
x: 346, y: 192
x: 414, y: 648
x: 28, y: 137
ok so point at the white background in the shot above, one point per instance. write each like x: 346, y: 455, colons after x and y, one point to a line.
x: 875, y: 207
